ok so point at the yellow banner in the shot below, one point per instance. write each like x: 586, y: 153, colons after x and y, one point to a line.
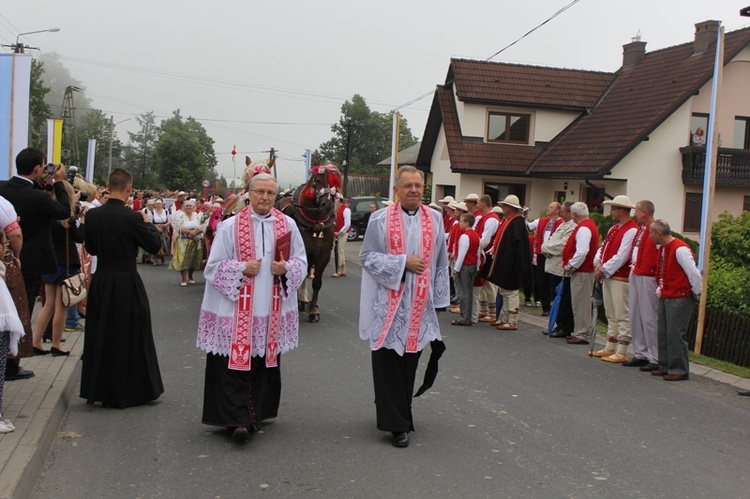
x: 57, y: 142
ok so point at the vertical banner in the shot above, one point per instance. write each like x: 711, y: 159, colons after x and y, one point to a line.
x: 90, y: 158
x: 57, y: 143
x: 15, y: 85
x: 308, y: 164
x: 50, y: 139
x: 394, y: 154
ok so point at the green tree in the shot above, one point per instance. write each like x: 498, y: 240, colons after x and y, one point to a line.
x: 369, y: 134
x: 39, y: 110
x: 94, y: 124
x: 184, y: 153
x: 138, y: 157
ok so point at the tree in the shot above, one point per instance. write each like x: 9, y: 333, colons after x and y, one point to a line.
x: 184, y: 153
x: 138, y: 158
x: 39, y: 111
x: 369, y: 134
x: 58, y: 78
x: 94, y: 124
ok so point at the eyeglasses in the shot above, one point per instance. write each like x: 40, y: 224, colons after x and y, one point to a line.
x: 412, y: 186
x: 261, y: 193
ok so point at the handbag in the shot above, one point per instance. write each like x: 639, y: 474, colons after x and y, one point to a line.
x: 73, y: 287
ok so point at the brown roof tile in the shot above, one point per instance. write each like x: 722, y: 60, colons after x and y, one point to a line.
x: 639, y: 100
x: 526, y: 85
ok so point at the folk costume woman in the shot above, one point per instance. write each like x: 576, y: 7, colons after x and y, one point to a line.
x: 188, y: 244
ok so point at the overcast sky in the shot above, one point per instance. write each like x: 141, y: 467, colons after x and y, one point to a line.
x: 275, y: 73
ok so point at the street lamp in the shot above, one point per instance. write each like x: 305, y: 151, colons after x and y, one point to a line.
x: 111, y: 132
x: 19, y: 47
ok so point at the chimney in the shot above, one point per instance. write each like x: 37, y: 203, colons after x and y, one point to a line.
x: 705, y: 35
x: 633, y: 53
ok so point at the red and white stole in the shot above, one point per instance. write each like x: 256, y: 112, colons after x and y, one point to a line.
x: 241, y: 349
x: 396, y: 245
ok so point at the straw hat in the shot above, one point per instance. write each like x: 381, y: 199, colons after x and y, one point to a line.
x: 620, y: 201
x: 436, y: 206
x: 462, y: 206
x: 472, y: 197
x: 512, y: 200
x: 446, y: 199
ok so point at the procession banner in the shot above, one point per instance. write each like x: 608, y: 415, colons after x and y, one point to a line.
x: 15, y: 84
x: 90, y: 158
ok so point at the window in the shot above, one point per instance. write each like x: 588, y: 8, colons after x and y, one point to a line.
x: 746, y: 204
x: 741, y: 133
x: 507, y: 127
x: 698, y: 129
x: 693, y: 206
x: 498, y: 192
x: 448, y: 190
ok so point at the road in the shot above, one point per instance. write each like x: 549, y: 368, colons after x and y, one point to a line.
x: 511, y: 415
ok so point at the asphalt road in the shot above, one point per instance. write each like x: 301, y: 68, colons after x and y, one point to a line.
x: 511, y: 415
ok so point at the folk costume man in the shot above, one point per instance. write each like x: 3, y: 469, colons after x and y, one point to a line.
x: 552, y: 250
x: 486, y: 228
x: 578, y: 261
x: 510, y: 267
x: 679, y: 285
x: 543, y: 228
x: 249, y: 313
x: 644, y: 304
x: 404, y: 283
x: 341, y: 230
x: 120, y: 367
x: 465, y: 269
x: 612, y: 267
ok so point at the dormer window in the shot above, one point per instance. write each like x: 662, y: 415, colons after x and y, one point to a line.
x: 508, y: 127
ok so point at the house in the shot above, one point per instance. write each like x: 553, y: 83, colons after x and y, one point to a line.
x: 547, y: 134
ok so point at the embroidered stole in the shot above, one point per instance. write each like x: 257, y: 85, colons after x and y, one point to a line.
x: 396, y: 245
x: 241, y: 349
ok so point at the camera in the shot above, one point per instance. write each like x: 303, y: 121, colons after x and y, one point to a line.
x: 72, y: 171
x: 50, y: 168
x: 84, y: 196
x: 46, y: 182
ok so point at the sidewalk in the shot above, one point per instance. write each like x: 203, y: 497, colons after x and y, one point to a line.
x: 36, y: 406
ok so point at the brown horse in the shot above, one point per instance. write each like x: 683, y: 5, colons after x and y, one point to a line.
x: 312, y: 206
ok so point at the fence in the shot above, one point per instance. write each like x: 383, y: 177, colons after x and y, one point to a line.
x: 726, y: 336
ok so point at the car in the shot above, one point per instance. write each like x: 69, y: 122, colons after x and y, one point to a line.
x: 360, y: 207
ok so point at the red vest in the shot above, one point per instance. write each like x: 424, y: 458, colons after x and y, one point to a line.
x: 340, y: 217
x: 570, y: 246
x: 539, y: 237
x: 480, y: 226
x: 447, y: 222
x: 611, y: 246
x: 477, y: 217
x: 671, y: 277
x: 453, y: 236
x: 648, y: 254
x: 472, y: 254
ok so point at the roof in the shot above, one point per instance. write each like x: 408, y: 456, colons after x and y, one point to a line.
x: 639, y: 100
x: 406, y: 156
x: 618, y: 110
x: 517, y: 84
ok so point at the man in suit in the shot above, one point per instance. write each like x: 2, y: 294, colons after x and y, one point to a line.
x: 36, y: 209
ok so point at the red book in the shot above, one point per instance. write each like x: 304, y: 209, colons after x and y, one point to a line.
x: 282, y: 247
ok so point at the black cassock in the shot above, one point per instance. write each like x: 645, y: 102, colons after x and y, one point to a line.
x: 120, y: 368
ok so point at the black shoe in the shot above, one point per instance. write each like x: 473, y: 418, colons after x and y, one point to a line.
x: 240, y: 434
x: 545, y: 313
x: 636, y: 362
x: 20, y: 374
x: 40, y: 351
x: 559, y: 333
x: 56, y: 352
x: 649, y: 367
x: 400, y: 439
x: 746, y: 393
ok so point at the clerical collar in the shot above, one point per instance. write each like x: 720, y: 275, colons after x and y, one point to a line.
x: 410, y: 213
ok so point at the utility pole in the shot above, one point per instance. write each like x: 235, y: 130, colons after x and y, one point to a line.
x: 272, y: 161
x: 111, y: 127
x: 345, y: 186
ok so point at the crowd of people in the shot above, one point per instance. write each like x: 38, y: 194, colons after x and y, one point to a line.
x: 417, y: 261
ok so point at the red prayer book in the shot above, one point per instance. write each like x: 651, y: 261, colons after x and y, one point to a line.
x: 282, y: 247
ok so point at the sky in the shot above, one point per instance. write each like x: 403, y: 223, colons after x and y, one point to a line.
x: 274, y: 73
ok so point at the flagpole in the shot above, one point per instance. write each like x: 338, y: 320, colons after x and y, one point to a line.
x: 709, y: 185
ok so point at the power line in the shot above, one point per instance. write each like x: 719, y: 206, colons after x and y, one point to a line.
x: 566, y: 7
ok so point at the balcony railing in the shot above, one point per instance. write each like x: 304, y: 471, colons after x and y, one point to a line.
x: 732, y: 166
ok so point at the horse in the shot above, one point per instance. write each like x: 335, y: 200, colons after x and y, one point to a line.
x: 311, y: 205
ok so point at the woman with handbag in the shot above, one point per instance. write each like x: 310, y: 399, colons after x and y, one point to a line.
x: 65, y: 235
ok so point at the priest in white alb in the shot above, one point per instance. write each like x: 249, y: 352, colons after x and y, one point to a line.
x: 404, y: 284
x: 249, y: 313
